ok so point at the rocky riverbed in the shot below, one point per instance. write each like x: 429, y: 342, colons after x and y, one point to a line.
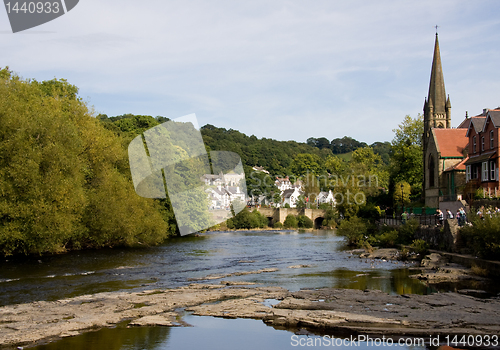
x: 367, y: 312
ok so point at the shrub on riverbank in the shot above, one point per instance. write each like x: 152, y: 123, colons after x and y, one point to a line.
x: 482, y: 236
x: 304, y: 222
x: 247, y: 220
x: 355, y: 230
x: 290, y: 222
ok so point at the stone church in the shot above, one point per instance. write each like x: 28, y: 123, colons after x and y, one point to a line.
x: 445, y: 148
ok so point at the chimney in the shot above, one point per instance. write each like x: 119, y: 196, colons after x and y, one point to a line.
x: 485, y: 110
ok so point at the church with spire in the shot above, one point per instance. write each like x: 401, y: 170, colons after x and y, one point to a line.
x: 444, y: 147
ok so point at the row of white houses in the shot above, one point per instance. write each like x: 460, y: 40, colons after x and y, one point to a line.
x: 223, y: 189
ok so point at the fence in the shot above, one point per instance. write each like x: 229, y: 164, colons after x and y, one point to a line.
x: 427, y: 220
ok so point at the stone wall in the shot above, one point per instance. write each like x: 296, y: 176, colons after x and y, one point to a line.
x: 442, y: 238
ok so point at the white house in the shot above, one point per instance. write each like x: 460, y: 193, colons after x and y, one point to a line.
x: 290, y: 196
x: 222, y: 197
x: 283, y: 183
x: 325, y: 197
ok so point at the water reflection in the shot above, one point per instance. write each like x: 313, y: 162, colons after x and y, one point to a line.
x: 119, y: 338
x: 389, y: 281
x: 208, y: 333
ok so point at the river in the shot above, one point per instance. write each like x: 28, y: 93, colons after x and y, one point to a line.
x: 312, y: 259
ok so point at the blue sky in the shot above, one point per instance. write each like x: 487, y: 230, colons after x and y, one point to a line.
x: 286, y: 70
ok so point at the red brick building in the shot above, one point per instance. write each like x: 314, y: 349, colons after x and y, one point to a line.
x: 482, y: 165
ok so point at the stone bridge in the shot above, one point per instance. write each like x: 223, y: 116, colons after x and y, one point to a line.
x: 279, y: 214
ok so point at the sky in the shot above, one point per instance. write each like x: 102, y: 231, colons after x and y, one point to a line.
x: 286, y: 70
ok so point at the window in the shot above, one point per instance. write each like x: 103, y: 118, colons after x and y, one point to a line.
x: 492, y: 139
x: 467, y: 173
x: 474, y: 144
x: 431, y: 172
x: 482, y: 143
x: 474, y: 171
x: 484, y: 171
x: 492, y: 170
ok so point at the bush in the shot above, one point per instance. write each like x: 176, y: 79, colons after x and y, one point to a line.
x: 246, y: 220
x: 420, y: 247
x: 291, y: 222
x: 370, y: 212
x: 388, y: 238
x: 407, y: 231
x: 278, y: 224
x: 286, y: 206
x: 331, y: 217
x: 483, y: 236
x: 304, y: 222
x: 354, y: 229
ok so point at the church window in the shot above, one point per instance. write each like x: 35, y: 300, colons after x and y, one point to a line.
x: 431, y: 172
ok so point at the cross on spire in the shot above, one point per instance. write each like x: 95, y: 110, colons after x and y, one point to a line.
x: 436, y: 26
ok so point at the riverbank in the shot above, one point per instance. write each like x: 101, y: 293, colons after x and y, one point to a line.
x: 329, y: 309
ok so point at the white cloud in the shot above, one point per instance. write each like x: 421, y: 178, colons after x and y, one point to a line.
x: 280, y: 69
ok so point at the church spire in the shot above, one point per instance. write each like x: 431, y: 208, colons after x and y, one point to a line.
x: 437, y: 92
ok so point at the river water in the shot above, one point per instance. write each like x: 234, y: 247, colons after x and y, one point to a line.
x: 180, y: 261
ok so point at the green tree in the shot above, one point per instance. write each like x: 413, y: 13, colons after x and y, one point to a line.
x: 402, y: 191
x: 306, y: 163
x: 354, y: 229
x: 407, y: 154
x: 65, y: 179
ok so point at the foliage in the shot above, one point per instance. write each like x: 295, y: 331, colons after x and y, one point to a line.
x: 483, y: 236
x: 278, y: 224
x: 275, y: 156
x: 247, y: 220
x: 420, y: 247
x: 331, y: 218
x: 354, y: 229
x: 305, y: 163
x: 304, y: 222
x: 407, y: 154
x: 370, y: 211
x: 301, y: 202
x: 291, y: 221
x: 65, y: 178
x: 402, y: 191
x: 407, y: 231
x: 388, y: 238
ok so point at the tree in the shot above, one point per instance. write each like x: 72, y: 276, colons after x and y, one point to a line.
x: 402, y: 191
x: 306, y: 163
x: 65, y: 178
x: 407, y: 154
